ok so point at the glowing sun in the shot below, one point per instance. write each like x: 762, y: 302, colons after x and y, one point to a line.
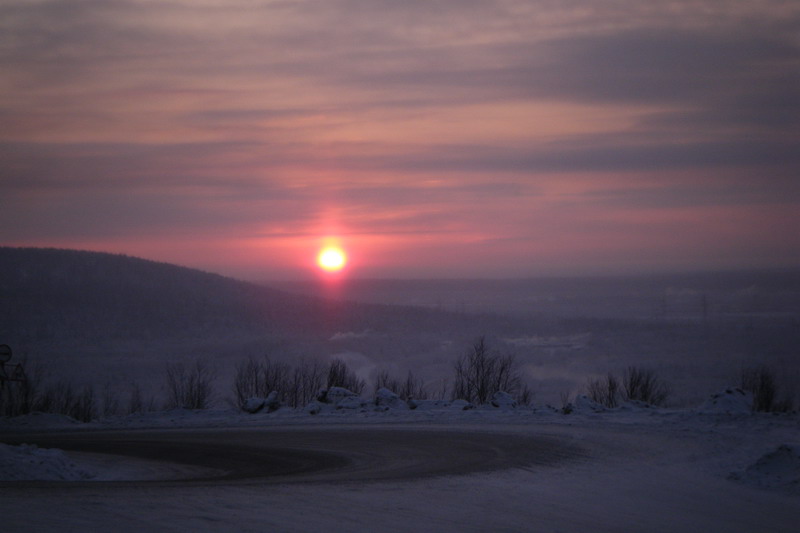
x: 331, y: 259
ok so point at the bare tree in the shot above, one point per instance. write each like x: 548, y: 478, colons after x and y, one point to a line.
x: 246, y: 380
x: 84, y: 407
x: 411, y: 387
x: 762, y: 382
x: 339, y: 375
x: 525, y: 395
x: 137, y: 402
x: 604, y: 391
x: 274, y: 377
x: 636, y: 385
x: 480, y: 373
x: 296, y: 385
x: 566, y: 403
x: 189, y: 388
x: 305, y: 382
x: 440, y: 393
x: 643, y: 385
x: 110, y: 399
x: 62, y: 397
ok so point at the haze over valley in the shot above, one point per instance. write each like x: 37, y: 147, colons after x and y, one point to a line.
x: 98, y: 318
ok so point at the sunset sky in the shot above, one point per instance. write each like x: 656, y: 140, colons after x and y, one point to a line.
x: 449, y: 138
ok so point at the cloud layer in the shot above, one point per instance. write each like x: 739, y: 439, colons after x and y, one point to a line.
x: 431, y: 138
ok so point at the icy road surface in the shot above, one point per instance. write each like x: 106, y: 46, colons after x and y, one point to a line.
x: 476, y: 471
x: 320, y: 455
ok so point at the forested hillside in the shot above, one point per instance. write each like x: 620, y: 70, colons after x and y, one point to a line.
x: 50, y: 294
x: 97, y: 316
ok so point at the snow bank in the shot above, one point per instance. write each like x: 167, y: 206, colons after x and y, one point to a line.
x: 461, y: 405
x: 503, y: 400
x: 37, y: 419
x: 636, y: 405
x: 733, y: 401
x: 778, y: 469
x: 342, y: 398
x: 335, y: 398
x: 440, y: 405
x: 386, y: 399
x: 584, y: 404
x: 255, y: 405
x: 30, y: 463
x: 428, y: 405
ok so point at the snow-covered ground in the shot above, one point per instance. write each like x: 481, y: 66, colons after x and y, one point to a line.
x: 714, y: 468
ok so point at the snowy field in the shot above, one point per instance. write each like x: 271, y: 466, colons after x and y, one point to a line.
x: 714, y: 468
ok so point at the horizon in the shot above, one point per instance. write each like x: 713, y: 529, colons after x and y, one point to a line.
x: 501, y: 139
x: 322, y: 279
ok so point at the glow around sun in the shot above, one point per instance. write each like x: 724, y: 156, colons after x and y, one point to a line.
x: 331, y: 259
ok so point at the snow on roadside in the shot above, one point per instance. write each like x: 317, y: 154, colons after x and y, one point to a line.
x: 732, y: 401
x: 778, y: 469
x: 714, y: 468
x: 731, y: 436
x: 39, y: 420
x: 28, y: 462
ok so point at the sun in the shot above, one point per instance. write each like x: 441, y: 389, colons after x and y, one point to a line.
x: 331, y: 259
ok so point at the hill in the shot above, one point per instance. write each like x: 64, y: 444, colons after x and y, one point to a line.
x: 51, y: 294
x: 101, y: 316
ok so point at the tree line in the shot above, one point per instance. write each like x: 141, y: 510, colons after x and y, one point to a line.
x: 478, y: 374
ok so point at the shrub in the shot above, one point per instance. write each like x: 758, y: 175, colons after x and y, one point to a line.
x: 296, y: 385
x: 111, y: 405
x: 305, y: 382
x: 480, y: 373
x: 604, y: 391
x: 761, y: 381
x: 84, y: 408
x: 339, y: 375
x: 407, y: 389
x: 525, y: 395
x: 256, y: 379
x: 62, y: 397
x: 644, y: 386
x: 189, y: 388
x: 636, y: 385
x: 566, y: 403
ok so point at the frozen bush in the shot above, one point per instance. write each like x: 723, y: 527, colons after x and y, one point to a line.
x: 636, y: 385
x: 604, y: 391
x: 189, y: 388
x: 644, y: 386
x: 295, y: 385
x: 137, y: 403
x: 411, y: 387
x: 61, y: 397
x: 306, y: 380
x: 763, y: 384
x: 480, y: 373
x: 256, y: 379
x: 339, y: 375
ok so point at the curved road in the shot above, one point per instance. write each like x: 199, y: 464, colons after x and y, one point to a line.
x: 316, y: 454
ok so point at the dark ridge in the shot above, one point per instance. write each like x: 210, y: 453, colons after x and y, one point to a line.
x: 54, y: 294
